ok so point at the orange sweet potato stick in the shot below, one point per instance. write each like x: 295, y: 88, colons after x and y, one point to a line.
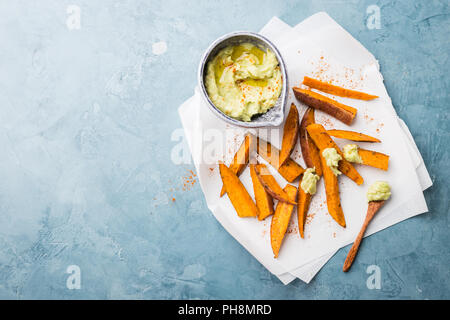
x: 374, y: 159
x: 304, y: 199
x: 290, y: 170
x: 239, y: 197
x: 270, y: 184
x: 338, y: 110
x: 290, y: 134
x: 323, y: 141
x: 352, y: 135
x: 311, y: 156
x: 240, y: 159
x: 332, y: 193
x: 309, y: 150
x: 264, y: 201
x: 336, y: 90
x: 281, y: 218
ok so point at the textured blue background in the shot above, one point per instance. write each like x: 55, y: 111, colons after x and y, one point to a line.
x: 85, y: 123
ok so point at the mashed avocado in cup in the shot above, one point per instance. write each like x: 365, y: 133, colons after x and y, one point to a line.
x: 243, y: 81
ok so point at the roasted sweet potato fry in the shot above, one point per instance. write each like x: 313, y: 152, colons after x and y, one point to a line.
x: 323, y: 141
x: 336, y: 90
x: 240, y: 159
x: 352, y: 135
x: 290, y: 134
x: 340, y: 111
x: 239, y: 197
x: 270, y: 184
x: 304, y: 199
x: 290, y: 170
x: 264, y: 201
x: 374, y: 159
x: 309, y: 150
x: 281, y: 218
x: 332, y: 193
x: 311, y: 157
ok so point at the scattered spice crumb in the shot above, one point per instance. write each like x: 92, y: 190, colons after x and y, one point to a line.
x: 189, y: 180
x: 309, y: 218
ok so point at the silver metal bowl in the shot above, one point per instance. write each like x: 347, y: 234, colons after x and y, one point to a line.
x: 274, y: 116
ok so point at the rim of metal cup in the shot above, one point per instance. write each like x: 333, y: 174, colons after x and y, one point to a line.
x: 277, y: 112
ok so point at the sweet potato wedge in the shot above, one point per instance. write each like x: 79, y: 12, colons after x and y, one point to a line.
x: 340, y: 111
x: 304, y: 199
x: 239, y: 197
x: 280, y: 220
x: 240, y: 159
x: 290, y: 170
x: 309, y: 150
x: 332, y: 193
x: 290, y: 134
x: 271, y: 185
x: 323, y: 141
x: 336, y: 90
x: 264, y: 201
x: 374, y: 159
x: 352, y: 135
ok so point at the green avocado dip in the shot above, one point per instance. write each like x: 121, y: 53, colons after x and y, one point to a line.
x: 309, y: 181
x: 351, y: 153
x: 378, y: 191
x: 243, y: 81
x: 332, y: 158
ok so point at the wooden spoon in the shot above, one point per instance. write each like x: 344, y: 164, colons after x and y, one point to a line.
x: 373, y: 208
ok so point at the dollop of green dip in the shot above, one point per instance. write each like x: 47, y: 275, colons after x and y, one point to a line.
x: 332, y: 158
x: 351, y: 153
x: 243, y: 81
x: 309, y: 181
x: 378, y: 191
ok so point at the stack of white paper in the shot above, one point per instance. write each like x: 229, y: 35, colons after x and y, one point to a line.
x: 317, y: 46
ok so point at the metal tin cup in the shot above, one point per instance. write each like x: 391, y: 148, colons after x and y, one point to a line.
x: 274, y: 116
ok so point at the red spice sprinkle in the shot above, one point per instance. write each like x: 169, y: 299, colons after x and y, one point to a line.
x: 189, y: 181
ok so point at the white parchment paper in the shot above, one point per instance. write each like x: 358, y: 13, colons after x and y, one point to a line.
x: 303, y: 258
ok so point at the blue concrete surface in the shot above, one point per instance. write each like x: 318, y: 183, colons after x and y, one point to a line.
x: 86, y: 117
